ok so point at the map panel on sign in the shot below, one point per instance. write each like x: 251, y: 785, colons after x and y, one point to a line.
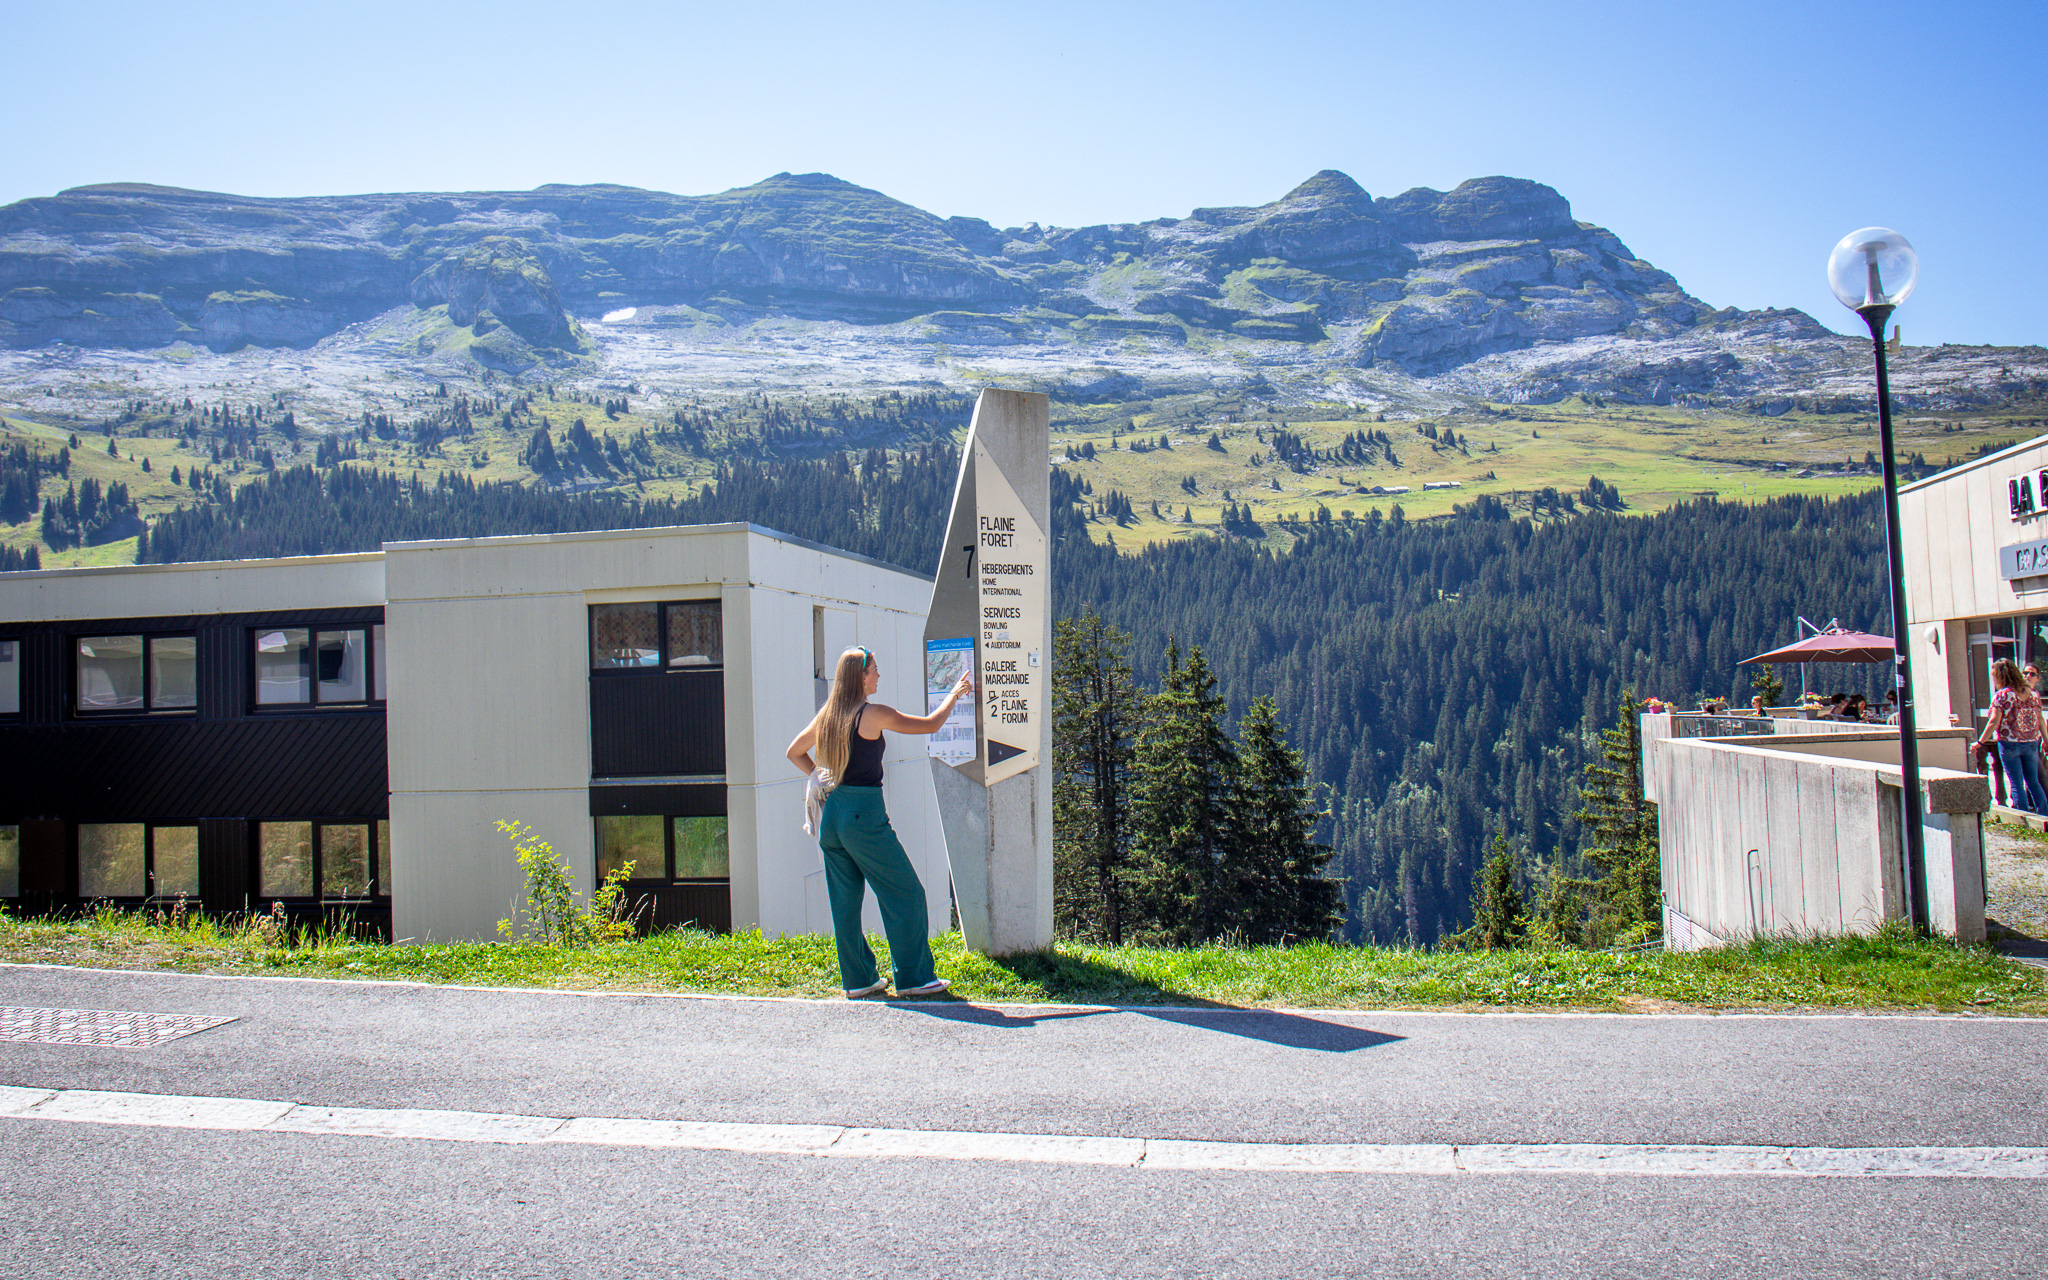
x: 944, y: 660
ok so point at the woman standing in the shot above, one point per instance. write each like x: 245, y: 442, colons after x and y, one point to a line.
x: 860, y: 847
x: 2015, y: 725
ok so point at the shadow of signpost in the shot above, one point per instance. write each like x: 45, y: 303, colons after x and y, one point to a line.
x: 1082, y: 979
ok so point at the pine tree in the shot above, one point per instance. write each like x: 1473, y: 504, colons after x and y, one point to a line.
x: 1500, y: 918
x: 1095, y: 709
x: 1621, y: 828
x: 1273, y: 887
x: 1182, y: 773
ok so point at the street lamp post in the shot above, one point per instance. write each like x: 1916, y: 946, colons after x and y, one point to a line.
x: 1871, y: 271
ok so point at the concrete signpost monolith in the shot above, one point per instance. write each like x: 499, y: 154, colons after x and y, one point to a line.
x: 992, y: 763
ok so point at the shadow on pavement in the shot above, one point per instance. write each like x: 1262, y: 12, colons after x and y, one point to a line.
x: 1292, y: 1030
x: 1077, y: 979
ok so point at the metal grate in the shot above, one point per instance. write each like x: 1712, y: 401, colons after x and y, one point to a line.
x: 112, y: 1028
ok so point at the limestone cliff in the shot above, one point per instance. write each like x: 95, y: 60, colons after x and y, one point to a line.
x: 1420, y: 282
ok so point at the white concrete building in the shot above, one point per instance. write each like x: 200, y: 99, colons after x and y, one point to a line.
x: 1975, y: 542
x: 342, y: 732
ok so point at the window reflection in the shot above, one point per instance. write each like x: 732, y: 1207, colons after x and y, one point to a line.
x: 624, y: 636
x: 701, y: 849
x: 696, y: 637
x: 109, y: 673
x: 10, y: 862
x: 10, y: 680
x: 638, y: 840
x: 340, y: 658
x: 173, y: 672
x: 344, y: 861
x: 283, y: 666
x: 110, y: 860
x: 174, y: 861
x: 285, y: 859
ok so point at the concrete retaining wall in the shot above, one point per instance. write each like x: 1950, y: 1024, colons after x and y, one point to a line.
x: 1802, y: 838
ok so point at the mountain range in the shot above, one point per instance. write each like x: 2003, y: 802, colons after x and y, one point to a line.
x: 1489, y: 290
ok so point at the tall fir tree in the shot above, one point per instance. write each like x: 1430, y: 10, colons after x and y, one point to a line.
x: 1182, y: 776
x: 1500, y: 916
x: 1272, y: 887
x: 1095, y: 711
x: 1621, y: 830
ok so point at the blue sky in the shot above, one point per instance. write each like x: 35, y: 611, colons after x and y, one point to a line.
x: 1731, y: 143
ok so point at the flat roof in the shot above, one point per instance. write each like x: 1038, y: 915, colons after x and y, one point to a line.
x: 587, y: 535
x: 596, y: 535
x: 1973, y: 464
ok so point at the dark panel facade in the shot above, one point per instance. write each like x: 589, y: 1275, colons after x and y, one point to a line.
x: 224, y: 764
x: 657, y: 724
x: 679, y: 800
x: 696, y: 906
x: 272, y: 767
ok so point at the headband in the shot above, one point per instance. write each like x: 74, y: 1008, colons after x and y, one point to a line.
x: 865, y: 656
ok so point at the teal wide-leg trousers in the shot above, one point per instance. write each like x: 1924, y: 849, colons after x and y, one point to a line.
x: 861, y: 849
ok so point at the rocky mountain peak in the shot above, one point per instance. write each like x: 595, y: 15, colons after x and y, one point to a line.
x: 1496, y: 208
x: 1424, y: 281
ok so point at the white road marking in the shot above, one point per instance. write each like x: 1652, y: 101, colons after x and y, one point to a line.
x: 257, y: 1115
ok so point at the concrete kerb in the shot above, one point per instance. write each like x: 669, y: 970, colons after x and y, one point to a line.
x: 835, y: 1002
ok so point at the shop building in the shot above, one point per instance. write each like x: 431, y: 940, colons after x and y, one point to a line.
x: 1975, y: 543
x: 338, y: 735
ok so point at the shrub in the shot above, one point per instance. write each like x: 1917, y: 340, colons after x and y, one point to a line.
x: 552, y: 914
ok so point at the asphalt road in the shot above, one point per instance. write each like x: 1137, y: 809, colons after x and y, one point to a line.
x: 85, y: 1199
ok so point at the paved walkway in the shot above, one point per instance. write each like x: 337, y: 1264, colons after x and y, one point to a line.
x: 204, y: 1126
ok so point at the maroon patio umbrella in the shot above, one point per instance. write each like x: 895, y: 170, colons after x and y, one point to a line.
x: 1832, y: 645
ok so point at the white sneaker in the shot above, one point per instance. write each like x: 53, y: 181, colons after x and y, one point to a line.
x: 883, y: 985
x: 931, y: 988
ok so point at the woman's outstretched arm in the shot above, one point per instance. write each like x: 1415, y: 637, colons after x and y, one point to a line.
x: 890, y: 720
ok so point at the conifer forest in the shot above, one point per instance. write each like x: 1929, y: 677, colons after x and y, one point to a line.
x: 1445, y: 682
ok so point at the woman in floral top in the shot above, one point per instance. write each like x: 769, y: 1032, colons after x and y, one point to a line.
x: 2016, y: 726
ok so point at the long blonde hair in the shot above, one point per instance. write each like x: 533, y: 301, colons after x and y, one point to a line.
x: 834, y: 724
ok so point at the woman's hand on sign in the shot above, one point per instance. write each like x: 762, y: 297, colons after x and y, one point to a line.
x: 965, y: 685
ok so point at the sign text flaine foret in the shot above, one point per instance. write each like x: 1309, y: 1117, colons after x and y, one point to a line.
x: 1008, y: 564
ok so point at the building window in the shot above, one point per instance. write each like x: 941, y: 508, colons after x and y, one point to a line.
x: 679, y: 636
x: 137, y: 860
x: 695, y: 635
x: 664, y: 850
x: 137, y: 673
x: 10, y: 680
x: 338, y: 857
x: 318, y: 666
x: 10, y: 862
x: 624, y: 637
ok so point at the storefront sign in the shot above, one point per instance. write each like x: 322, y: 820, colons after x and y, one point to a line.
x: 2021, y: 492
x: 2023, y: 560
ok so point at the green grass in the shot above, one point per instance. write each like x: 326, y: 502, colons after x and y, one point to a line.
x: 1888, y: 972
x: 1656, y: 456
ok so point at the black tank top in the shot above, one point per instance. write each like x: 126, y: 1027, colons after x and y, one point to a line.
x: 863, y: 758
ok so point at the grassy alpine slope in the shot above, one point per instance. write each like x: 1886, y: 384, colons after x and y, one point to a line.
x: 1656, y: 456
x: 1889, y: 972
